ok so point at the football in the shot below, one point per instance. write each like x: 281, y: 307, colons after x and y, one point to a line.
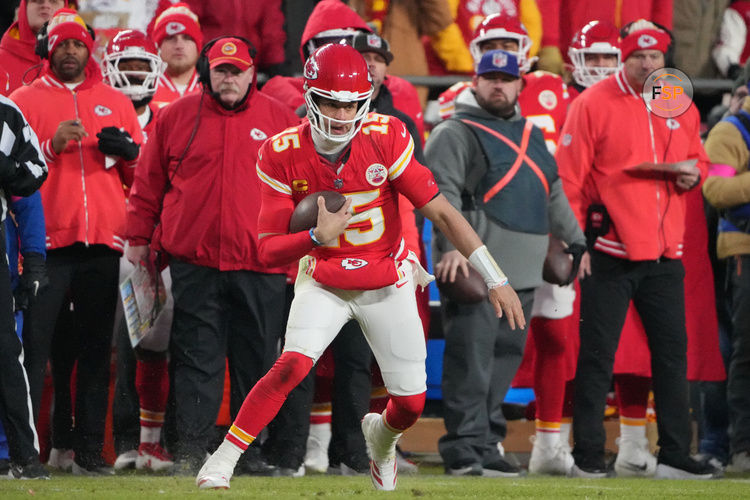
x: 463, y: 290
x: 305, y: 214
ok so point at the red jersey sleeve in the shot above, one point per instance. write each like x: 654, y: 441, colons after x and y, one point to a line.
x: 276, y: 205
x: 408, y: 176
x: 575, y: 155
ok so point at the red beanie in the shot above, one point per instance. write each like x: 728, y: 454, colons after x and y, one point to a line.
x: 64, y: 25
x: 175, y: 20
x: 646, y: 39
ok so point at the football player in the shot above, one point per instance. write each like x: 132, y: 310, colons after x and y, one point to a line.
x: 354, y: 264
x: 595, y: 54
x: 132, y: 65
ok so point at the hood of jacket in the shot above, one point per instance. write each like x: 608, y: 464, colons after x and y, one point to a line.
x: 328, y: 15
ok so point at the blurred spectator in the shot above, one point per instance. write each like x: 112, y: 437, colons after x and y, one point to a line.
x: 728, y: 146
x: 403, y: 23
x: 199, y: 188
x: 132, y: 65
x: 475, y: 157
x: 22, y: 169
x: 91, y: 138
x: 17, y: 45
x: 260, y: 21
x: 696, y: 33
x: 731, y: 50
x: 561, y: 19
x: 8, y: 14
x: 595, y: 157
x: 177, y: 33
x: 467, y: 14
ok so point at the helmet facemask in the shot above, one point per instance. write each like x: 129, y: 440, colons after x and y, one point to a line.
x: 586, y: 76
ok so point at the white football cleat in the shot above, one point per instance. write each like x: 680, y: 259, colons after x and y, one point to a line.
x: 634, y: 459
x: 215, y: 473
x: 383, y: 466
x: 62, y: 459
x: 153, y: 457
x: 553, y: 461
x: 316, y: 456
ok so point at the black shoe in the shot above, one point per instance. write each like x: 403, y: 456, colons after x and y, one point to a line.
x: 500, y: 467
x: 91, y: 466
x: 32, y: 470
x: 4, y: 467
x: 464, y: 468
x: 253, y: 464
x: 684, y: 468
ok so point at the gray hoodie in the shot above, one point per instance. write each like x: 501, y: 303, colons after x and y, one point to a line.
x: 453, y: 154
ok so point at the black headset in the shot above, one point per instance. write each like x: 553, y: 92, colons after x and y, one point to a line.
x: 202, y: 66
x: 42, y: 40
x: 669, y: 54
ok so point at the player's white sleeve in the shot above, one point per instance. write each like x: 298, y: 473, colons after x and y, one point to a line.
x: 731, y: 43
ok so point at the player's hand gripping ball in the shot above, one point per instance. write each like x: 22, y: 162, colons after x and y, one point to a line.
x: 305, y: 214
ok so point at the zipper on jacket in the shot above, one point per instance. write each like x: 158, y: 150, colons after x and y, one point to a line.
x: 659, y: 222
x: 83, y: 174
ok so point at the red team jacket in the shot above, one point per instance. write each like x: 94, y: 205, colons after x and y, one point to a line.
x: 84, y: 201
x: 648, y: 217
x: 209, y: 214
x: 379, y: 166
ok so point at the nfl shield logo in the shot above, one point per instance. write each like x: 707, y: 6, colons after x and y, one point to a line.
x: 374, y: 41
x: 499, y: 60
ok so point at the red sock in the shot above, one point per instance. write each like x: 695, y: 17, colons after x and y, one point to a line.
x: 632, y: 395
x: 266, y: 397
x: 152, y: 385
x: 550, y: 338
x: 403, y: 411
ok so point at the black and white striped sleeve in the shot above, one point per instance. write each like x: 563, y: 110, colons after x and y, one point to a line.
x: 22, y: 165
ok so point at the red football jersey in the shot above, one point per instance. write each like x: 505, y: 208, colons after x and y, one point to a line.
x: 379, y: 165
x: 544, y: 102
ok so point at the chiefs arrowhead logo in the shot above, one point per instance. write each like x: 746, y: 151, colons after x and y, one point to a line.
x: 351, y: 263
x: 258, y: 134
x: 100, y: 110
x: 311, y: 69
x: 173, y: 28
x: 646, y: 41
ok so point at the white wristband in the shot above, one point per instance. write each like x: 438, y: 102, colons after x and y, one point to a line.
x: 487, y: 267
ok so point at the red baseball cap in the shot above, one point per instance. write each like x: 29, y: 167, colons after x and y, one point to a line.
x: 232, y: 51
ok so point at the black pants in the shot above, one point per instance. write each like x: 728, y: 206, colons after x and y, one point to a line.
x: 14, y: 391
x: 738, y: 378
x: 237, y: 315
x: 126, y: 424
x: 88, y: 276
x: 657, y: 291
x: 352, y: 385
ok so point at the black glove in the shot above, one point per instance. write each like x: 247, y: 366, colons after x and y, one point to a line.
x: 113, y: 141
x: 33, y: 280
x: 576, y: 250
x: 734, y: 71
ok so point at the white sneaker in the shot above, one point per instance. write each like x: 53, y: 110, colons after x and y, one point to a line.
x: 383, y: 467
x: 215, y: 473
x: 739, y: 463
x: 634, y: 459
x: 316, y: 457
x: 553, y: 461
x: 576, y: 471
x: 405, y: 466
x: 61, y: 459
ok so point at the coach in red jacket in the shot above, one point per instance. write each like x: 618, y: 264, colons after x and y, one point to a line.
x: 636, y: 228
x: 197, y: 185
x: 90, y: 137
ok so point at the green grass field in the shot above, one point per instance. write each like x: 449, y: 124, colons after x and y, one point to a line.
x: 432, y: 484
